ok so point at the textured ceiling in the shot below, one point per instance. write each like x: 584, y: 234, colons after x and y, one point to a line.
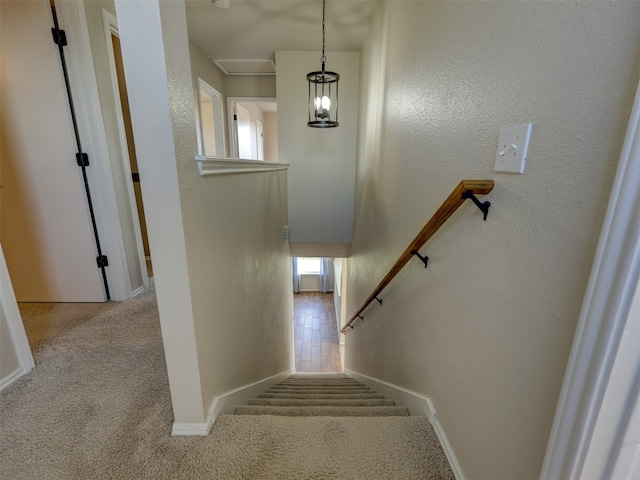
x: 255, y: 29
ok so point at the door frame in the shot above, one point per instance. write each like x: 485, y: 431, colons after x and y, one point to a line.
x: 110, y: 24
x: 592, y: 389
x: 259, y: 140
x: 231, y: 112
x: 9, y: 307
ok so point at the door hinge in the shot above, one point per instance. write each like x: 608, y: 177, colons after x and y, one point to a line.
x: 102, y: 261
x: 235, y: 117
x: 59, y: 37
x: 135, y: 176
x: 82, y: 159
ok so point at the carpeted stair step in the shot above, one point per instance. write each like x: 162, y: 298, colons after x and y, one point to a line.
x: 341, y: 428
x: 384, y: 411
x: 335, y: 396
x: 323, y: 385
x: 327, y: 448
x: 321, y: 395
x: 320, y: 381
x: 322, y: 402
x: 314, y: 386
x: 314, y: 391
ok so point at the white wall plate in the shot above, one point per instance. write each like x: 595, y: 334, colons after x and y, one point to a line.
x: 512, y: 149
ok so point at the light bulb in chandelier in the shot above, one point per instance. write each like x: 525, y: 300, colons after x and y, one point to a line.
x: 322, y: 106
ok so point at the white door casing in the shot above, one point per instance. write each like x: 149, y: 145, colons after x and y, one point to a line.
x: 18, y: 341
x: 110, y: 24
x: 593, y: 434
x: 259, y: 140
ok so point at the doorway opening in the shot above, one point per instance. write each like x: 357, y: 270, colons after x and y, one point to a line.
x: 317, y: 306
x: 133, y: 162
x: 253, y: 128
x: 128, y: 178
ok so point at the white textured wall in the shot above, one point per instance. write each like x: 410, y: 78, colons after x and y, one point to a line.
x: 271, y: 137
x: 322, y: 160
x: 250, y: 85
x: 163, y: 120
x: 486, y: 330
x: 222, y: 270
x: 241, y: 273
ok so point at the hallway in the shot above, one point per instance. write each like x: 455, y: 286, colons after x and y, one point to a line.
x: 316, y: 337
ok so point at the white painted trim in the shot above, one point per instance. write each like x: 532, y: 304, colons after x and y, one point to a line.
x: 73, y: 20
x: 110, y: 26
x: 444, y: 441
x: 219, y: 118
x: 415, y: 402
x: 605, y: 312
x: 221, y: 166
x: 226, y: 403
x: 137, y: 291
x: 19, y: 339
x: 220, y: 65
x: 12, y: 377
x: 192, y: 429
x: 418, y: 405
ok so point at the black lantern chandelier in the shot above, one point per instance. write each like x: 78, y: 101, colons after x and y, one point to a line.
x: 323, y: 92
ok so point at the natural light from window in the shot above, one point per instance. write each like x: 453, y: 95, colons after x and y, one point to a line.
x: 210, y: 121
x: 309, y: 265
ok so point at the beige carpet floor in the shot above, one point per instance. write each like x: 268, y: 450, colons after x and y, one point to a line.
x: 97, y: 406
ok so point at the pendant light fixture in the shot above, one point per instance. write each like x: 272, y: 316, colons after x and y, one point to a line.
x: 323, y: 92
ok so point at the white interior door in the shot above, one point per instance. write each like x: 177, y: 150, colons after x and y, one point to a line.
x: 46, y: 230
x: 244, y: 132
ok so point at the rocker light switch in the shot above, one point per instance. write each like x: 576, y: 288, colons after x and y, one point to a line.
x: 512, y: 149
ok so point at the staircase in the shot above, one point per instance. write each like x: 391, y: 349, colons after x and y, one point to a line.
x: 332, y: 395
x: 326, y: 426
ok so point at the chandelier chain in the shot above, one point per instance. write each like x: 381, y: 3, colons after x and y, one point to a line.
x: 323, y: 59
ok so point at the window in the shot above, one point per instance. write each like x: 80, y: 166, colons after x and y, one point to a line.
x: 210, y: 121
x: 308, y: 265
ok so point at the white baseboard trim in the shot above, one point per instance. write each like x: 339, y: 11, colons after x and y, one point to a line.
x: 418, y: 405
x: 12, y: 377
x: 226, y: 403
x: 137, y: 291
x: 415, y: 402
x: 444, y: 442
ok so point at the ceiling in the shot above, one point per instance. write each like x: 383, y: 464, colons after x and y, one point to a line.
x: 255, y: 29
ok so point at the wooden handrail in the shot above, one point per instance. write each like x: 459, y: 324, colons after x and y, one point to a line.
x: 449, y: 206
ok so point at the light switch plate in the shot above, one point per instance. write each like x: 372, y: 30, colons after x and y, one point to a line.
x: 512, y: 149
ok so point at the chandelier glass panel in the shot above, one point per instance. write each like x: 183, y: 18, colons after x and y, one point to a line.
x: 323, y: 91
